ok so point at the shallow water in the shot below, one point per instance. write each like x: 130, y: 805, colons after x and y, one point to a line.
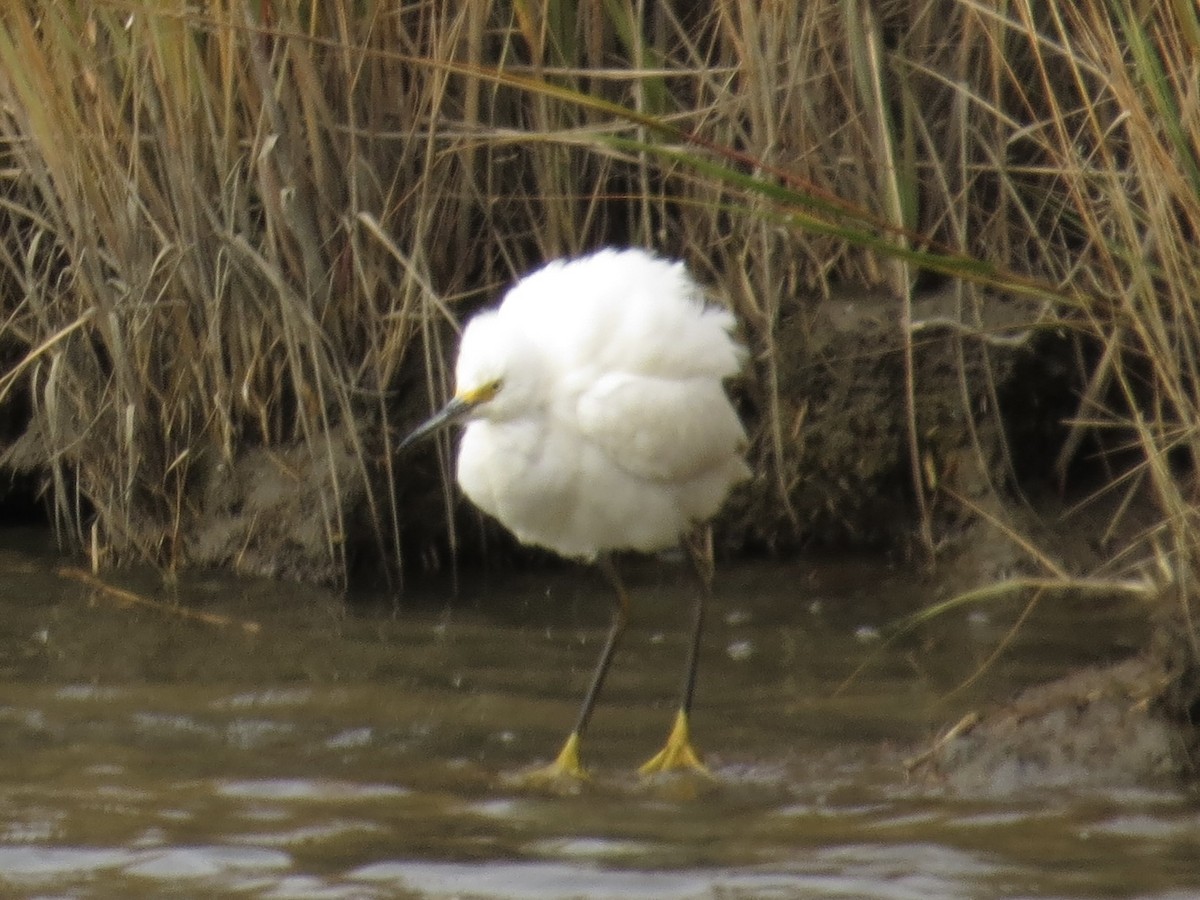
x: 360, y: 750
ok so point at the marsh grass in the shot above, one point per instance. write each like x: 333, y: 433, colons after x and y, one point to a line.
x: 225, y: 229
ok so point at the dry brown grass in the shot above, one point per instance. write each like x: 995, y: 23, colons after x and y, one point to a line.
x: 221, y: 232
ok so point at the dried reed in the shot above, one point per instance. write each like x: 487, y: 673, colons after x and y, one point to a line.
x: 223, y: 231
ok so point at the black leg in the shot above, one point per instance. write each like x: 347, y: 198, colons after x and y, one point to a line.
x: 620, y: 618
x: 566, y: 765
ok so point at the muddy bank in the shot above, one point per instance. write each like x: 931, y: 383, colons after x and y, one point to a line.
x: 839, y: 476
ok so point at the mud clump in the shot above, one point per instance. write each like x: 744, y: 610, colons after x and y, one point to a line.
x: 1101, y: 726
x: 280, y: 512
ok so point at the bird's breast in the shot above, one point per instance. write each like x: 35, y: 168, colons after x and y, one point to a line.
x: 520, y: 473
x: 553, y: 487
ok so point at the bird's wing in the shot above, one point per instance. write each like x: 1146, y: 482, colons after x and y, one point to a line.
x: 663, y: 429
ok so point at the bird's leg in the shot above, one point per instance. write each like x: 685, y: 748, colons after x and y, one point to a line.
x: 678, y: 752
x: 567, y: 763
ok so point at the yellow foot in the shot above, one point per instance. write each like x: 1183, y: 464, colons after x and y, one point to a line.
x: 678, y: 753
x: 566, y: 773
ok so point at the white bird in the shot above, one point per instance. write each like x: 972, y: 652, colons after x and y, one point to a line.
x: 597, y: 421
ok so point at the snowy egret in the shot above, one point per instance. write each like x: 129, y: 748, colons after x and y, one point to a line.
x: 598, y: 422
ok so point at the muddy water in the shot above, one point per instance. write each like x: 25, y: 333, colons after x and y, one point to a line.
x: 366, y: 752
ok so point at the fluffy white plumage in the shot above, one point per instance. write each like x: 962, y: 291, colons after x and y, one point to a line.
x: 598, y: 418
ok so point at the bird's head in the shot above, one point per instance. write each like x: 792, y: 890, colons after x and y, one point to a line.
x: 495, y: 377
